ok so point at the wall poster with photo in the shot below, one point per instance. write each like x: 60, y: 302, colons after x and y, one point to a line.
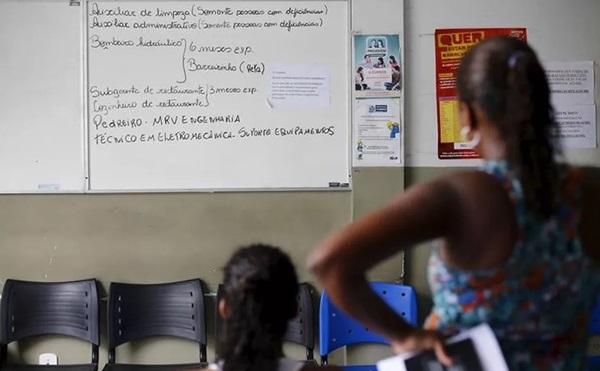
x: 377, y: 66
x: 378, y: 131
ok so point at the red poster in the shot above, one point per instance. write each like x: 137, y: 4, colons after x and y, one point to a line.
x: 450, y: 46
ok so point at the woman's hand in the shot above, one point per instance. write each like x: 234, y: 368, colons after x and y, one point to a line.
x: 418, y: 339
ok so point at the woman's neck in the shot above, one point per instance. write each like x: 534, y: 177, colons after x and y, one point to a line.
x: 492, y: 146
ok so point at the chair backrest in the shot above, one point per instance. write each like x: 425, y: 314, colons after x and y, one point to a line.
x: 50, y: 308
x: 300, y: 329
x: 337, y: 329
x: 170, y: 309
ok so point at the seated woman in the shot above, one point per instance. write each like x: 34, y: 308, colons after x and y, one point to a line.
x: 518, y: 237
x: 259, y: 298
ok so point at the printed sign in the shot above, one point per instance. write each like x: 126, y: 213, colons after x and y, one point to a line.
x: 450, y: 46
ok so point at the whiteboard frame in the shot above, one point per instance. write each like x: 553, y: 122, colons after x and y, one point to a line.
x: 86, y: 139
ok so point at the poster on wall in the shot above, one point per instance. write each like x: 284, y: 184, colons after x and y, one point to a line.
x: 377, y: 139
x: 377, y: 66
x: 450, y: 46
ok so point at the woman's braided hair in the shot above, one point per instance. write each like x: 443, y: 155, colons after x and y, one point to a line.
x: 504, y: 78
x: 260, y: 289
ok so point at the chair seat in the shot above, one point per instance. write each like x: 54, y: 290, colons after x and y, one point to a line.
x: 175, y: 367
x: 359, y: 368
x: 86, y: 367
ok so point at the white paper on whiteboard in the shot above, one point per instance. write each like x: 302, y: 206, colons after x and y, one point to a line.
x: 576, y: 126
x: 298, y: 86
x: 485, y: 343
x: 571, y: 82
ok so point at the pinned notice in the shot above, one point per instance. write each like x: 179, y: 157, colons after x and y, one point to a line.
x: 571, y: 82
x: 576, y: 126
x: 572, y: 93
x: 298, y: 86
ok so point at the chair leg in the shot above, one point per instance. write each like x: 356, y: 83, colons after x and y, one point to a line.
x: 309, y: 354
x: 3, y: 354
x: 95, y: 351
x: 203, y: 353
x: 111, y: 355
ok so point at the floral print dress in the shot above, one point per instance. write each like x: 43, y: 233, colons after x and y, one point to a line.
x: 538, y: 301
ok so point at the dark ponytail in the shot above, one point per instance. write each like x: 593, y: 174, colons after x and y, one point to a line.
x: 260, y: 289
x: 504, y: 78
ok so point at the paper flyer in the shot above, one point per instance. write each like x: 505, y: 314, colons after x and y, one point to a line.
x: 571, y: 83
x: 298, y: 86
x: 378, y: 133
x: 572, y: 92
x: 576, y: 126
x: 450, y: 46
x: 377, y: 66
x: 476, y: 349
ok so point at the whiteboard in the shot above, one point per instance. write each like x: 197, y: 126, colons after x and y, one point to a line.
x: 218, y: 95
x: 41, y: 131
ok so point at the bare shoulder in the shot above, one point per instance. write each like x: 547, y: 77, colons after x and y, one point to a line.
x: 477, y: 189
x: 455, y: 186
x: 483, y: 215
x: 468, y: 194
x: 476, y: 183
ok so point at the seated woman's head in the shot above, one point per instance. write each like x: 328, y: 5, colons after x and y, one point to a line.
x: 259, y: 298
x: 504, y: 103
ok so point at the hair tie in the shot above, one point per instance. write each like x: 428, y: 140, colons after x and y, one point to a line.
x: 514, y: 58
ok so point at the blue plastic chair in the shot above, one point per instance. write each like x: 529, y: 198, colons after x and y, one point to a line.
x: 337, y: 329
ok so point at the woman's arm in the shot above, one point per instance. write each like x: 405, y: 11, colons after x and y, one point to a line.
x: 423, y: 212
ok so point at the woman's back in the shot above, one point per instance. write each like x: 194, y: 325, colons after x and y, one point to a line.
x: 538, y: 298
x: 518, y: 238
